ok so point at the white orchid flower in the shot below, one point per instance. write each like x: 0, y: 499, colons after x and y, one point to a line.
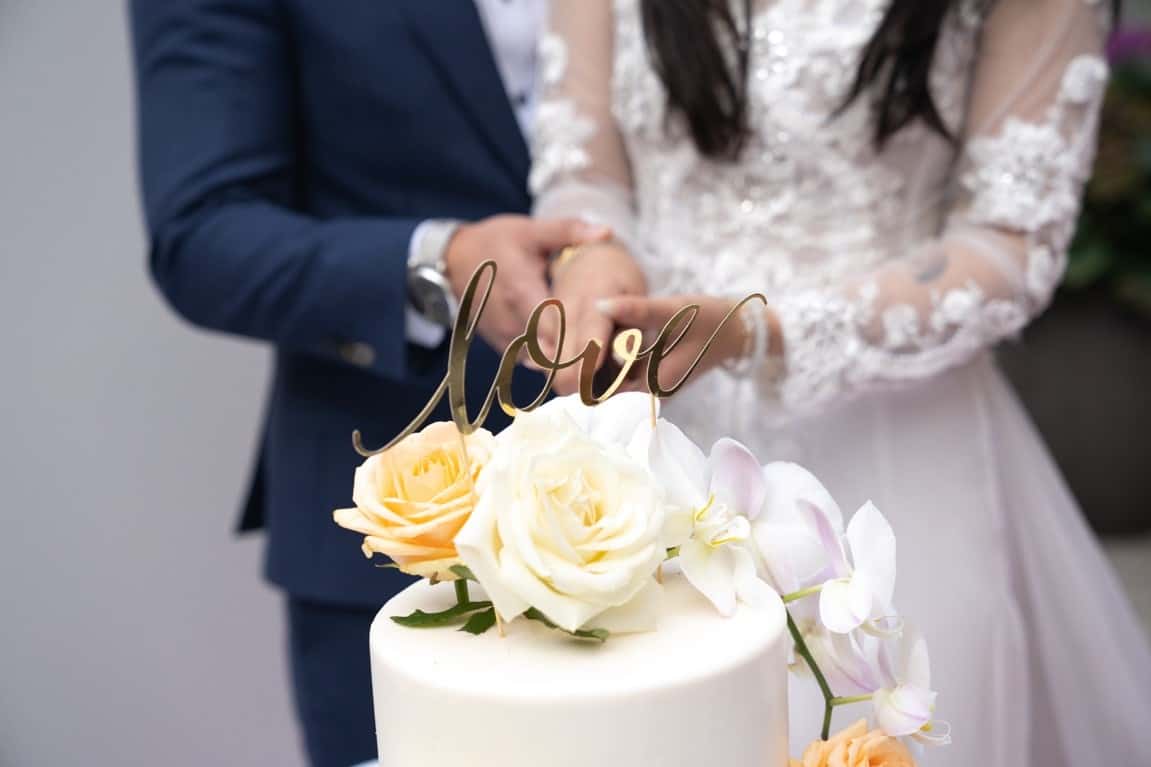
x: 905, y: 703
x: 711, y: 502
x: 800, y: 538
x: 859, y: 666
x: 850, y: 667
x: 800, y: 521
x: 861, y: 590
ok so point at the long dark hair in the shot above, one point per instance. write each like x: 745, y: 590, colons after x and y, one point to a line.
x: 700, y: 48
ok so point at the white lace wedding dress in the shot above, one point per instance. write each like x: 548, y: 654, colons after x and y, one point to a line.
x: 893, y: 273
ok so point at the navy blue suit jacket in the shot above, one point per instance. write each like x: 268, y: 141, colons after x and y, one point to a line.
x: 288, y: 149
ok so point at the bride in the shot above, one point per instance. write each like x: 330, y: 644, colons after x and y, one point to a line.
x: 901, y: 179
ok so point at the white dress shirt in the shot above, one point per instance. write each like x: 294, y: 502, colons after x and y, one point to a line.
x: 513, y: 28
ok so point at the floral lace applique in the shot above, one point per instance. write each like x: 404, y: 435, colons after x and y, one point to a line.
x: 817, y: 216
x: 1025, y: 179
x: 553, y: 59
x: 1029, y: 175
x: 562, y: 132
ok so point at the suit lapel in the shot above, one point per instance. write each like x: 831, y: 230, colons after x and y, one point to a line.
x: 454, y: 38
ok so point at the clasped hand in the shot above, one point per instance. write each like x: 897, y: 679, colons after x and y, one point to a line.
x: 602, y: 289
x: 604, y: 292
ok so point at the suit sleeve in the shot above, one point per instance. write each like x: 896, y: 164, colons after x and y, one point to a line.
x: 220, y: 177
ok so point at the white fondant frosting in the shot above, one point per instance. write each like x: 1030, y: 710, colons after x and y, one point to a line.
x: 699, y: 690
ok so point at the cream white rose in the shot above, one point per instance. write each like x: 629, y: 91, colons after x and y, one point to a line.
x: 568, y: 519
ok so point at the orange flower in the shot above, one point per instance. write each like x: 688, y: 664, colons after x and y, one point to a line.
x: 856, y: 747
x: 412, y: 499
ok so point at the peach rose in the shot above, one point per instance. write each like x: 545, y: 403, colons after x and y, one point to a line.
x: 856, y: 747
x: 413, y: 498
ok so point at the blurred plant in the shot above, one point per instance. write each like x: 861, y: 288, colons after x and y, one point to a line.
x: 1112, y: 248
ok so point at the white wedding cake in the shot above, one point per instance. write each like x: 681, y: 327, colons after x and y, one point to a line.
x: 701, y: 690
x: 600, y: 592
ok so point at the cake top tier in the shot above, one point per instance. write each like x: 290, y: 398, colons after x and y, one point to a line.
x: 531, y: 661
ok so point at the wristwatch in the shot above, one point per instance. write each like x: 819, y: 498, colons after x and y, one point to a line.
x: 429, y: 291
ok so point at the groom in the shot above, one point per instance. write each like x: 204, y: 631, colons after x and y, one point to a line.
x: 306, y: 166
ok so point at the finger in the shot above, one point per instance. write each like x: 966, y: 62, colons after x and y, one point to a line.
x: 529, y: 292
x: 636, y: 379
x: 639, y: 311
x: 584, y: 324
x: 567, y: 380
x: 593, y: 326
x: 552, y: 234
x: 634, y: 385
x: 547, y: 332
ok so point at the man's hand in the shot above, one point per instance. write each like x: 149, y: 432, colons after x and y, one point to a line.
x: 520, y: 246
x: 597, y: 271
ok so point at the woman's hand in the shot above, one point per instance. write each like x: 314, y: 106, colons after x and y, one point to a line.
x: 595, y: 272
x: 733, y: 343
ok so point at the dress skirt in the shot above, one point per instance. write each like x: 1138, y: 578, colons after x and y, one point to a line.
x: 1036, y: 653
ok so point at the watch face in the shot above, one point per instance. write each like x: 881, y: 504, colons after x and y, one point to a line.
x: 430, y: 294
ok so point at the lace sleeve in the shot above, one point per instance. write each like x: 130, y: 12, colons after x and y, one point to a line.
x: 579, y: 161
x: 1025, y: 154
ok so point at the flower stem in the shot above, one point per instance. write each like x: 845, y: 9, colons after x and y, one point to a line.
x: 462, y: 596
x: 795, y: 596
x: 849, y: 701
x: 801, y: 648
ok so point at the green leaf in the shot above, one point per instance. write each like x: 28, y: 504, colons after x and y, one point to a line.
x: 1088, y: 264
x: 480, y: 622
x: 462, y: 571
x: 388, y: 566
x: 599, y: 635
x: 422, y: 620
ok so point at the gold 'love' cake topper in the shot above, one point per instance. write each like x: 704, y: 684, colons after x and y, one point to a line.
x: 628, y: 349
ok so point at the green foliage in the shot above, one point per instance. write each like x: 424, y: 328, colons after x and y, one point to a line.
x: 454, y: 614
x: 1112, y: 248
x: 480, y: 622
x: 462, y: 571
x: 598, y: 635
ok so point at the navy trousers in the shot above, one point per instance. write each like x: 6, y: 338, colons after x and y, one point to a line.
x: 331, y: 675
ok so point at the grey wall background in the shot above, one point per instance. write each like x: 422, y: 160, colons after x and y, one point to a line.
x: 134, y: 629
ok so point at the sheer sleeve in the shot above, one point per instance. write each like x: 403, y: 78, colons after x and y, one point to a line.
x: 1025, y: 153
x: 580, y: 165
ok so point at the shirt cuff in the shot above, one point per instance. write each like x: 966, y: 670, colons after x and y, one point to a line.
x: 422, y: 331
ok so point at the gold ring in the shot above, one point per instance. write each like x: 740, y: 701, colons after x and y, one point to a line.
x: 567, y: 254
